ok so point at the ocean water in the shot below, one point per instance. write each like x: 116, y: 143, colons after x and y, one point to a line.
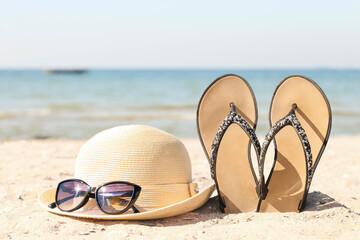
x: 37, y: 104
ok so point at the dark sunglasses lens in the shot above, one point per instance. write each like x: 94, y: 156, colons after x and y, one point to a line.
x: 114, y: 197
x: 70, y: 195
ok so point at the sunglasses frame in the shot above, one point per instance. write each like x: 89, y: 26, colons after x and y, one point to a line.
x: 91, y: 194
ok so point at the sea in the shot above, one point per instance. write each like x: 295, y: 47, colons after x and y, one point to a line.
x: 36, y: 104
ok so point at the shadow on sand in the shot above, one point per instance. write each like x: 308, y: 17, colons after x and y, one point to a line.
x: 316, y: 201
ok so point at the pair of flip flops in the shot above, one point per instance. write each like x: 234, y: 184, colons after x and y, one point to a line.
x: 300, y: 120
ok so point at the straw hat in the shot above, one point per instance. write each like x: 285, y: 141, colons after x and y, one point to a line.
x: 153, y: 159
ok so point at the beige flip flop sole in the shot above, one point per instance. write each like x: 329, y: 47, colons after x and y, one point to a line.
x: 235, y: 179
x: 287, y: 182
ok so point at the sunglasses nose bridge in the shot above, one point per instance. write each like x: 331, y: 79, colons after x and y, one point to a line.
x: 91, y: 192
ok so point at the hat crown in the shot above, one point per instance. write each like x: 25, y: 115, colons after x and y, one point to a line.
x: 139, y: 154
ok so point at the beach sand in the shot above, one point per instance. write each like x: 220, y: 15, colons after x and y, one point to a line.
x: 27, y: 167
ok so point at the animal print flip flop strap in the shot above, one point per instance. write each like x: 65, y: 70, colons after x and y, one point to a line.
x: 232, y: 117
x: 292, y: 120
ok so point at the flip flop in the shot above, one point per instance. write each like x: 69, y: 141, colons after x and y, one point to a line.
x: 226, y: 122
x: 300, y: 117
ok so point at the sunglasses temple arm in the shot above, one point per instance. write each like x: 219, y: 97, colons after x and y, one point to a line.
x: 53, y: 204
x: 135, y: 209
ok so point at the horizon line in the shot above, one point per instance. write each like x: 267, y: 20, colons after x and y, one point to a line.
x: 176, y: 69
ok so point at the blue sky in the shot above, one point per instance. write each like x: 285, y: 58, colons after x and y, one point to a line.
x: 180, y: 34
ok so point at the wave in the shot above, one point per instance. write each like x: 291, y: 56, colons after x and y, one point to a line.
x: 346, y: 113
x: 37, y: 112
x: 137, y: 117
x: 165, y: 107
x: 74, y: 106
x: 6, y: 115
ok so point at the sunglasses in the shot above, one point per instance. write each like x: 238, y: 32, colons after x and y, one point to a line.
x: 111, y: 198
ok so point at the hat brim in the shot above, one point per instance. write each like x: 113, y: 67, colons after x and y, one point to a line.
x: 188, y: 205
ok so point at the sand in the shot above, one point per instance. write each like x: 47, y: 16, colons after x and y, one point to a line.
x: 27, y: 167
